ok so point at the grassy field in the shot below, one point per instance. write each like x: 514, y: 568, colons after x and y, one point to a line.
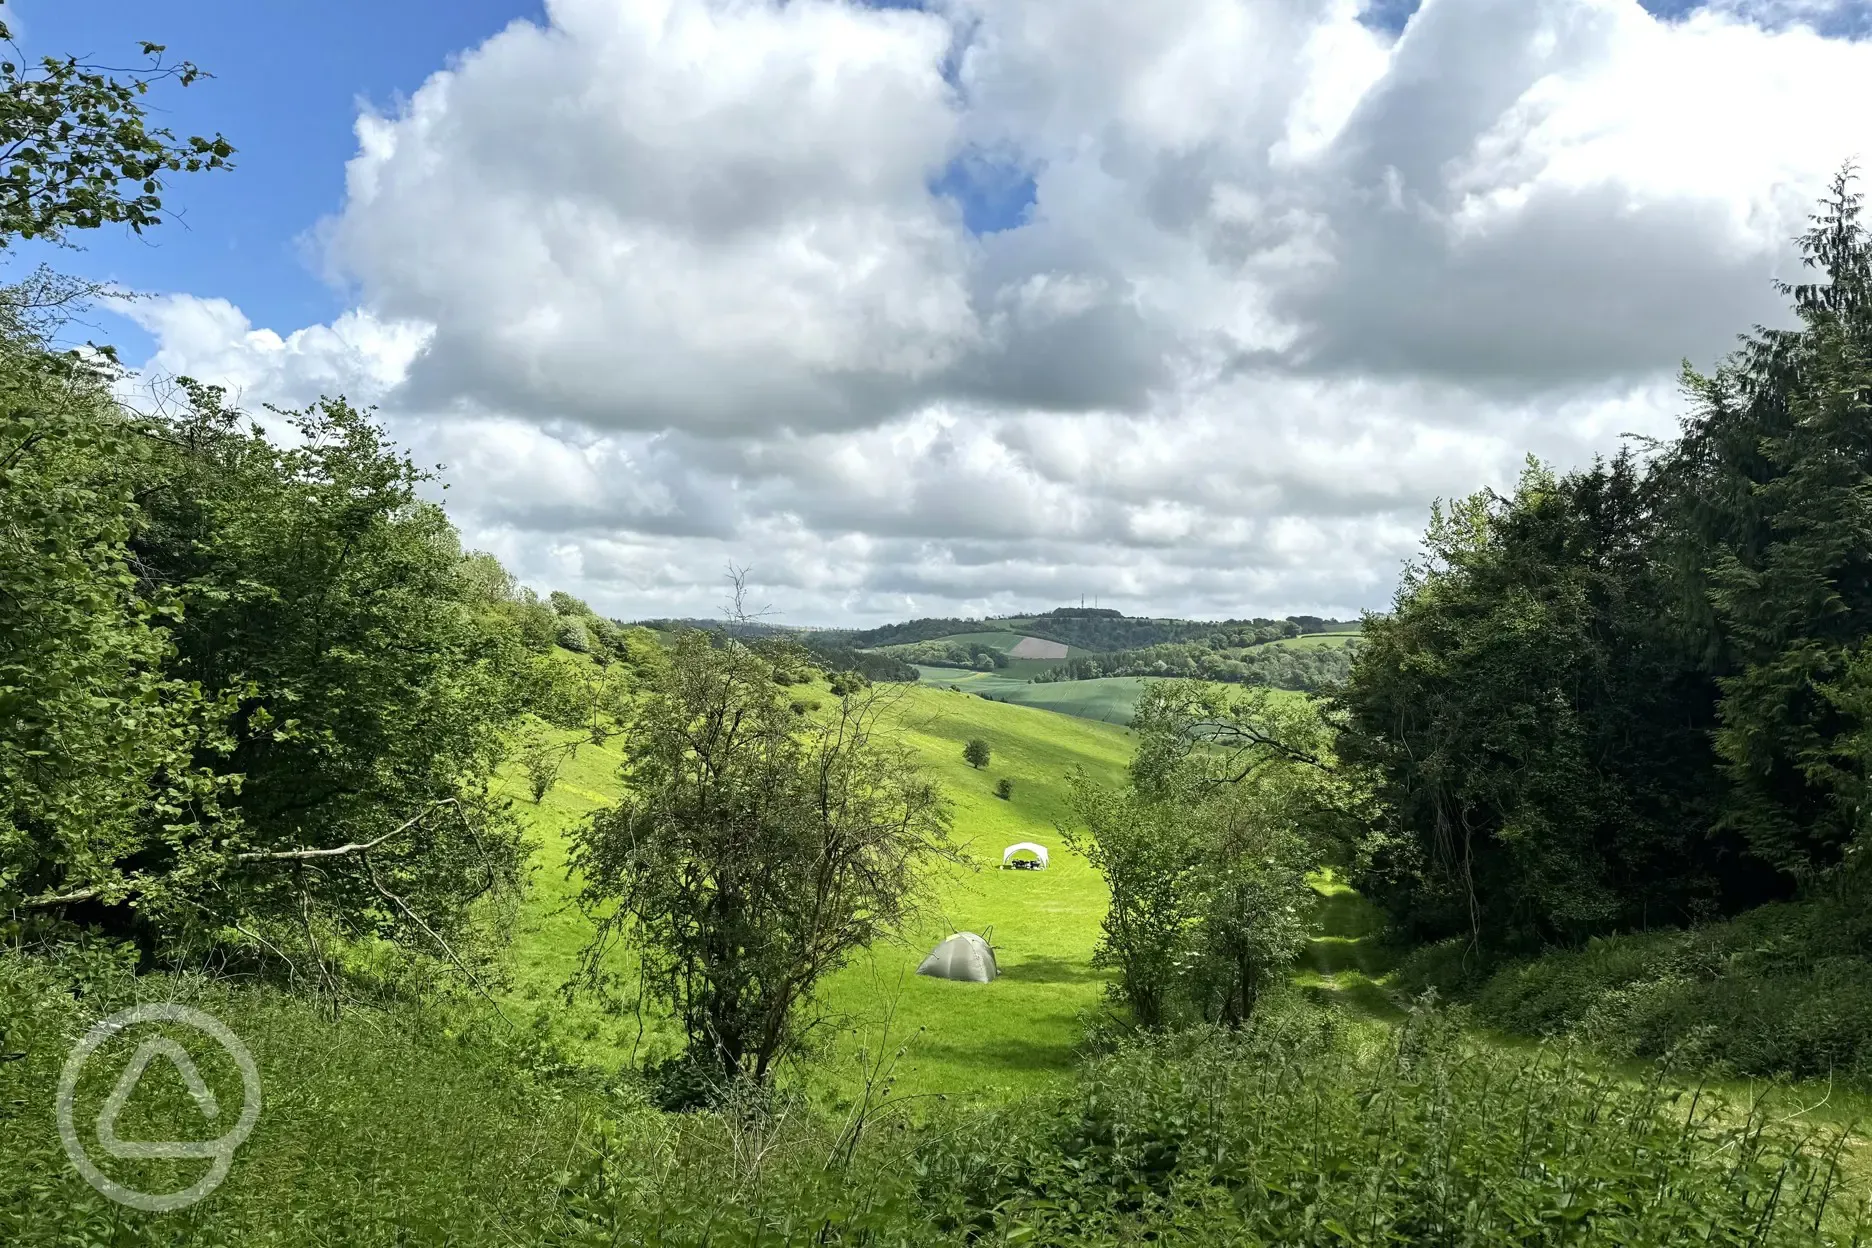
x: 1109, y: 699
x: 965, y: 1040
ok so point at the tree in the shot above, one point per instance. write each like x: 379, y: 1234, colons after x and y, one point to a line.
x: 328, y: 612
x: 573, y: 635
x: 1772, y: 527
x: 565, y: 604
x: 1143, y: 850
x: 976, y: 753
x: 76, y: 152
x: 1250, y: 777
x: 1537, y: 733
x: 1004, y: 789
x: 540, y: 758
x: 757, y: 851
x: 99, y: 742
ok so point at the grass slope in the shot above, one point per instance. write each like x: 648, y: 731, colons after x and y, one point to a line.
x: 1110, y: 699
x: 971, y: 1040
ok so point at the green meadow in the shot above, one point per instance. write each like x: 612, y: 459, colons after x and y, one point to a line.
x: 972, y: 1041
x: 1109, y: 699
x: 1311, y: 641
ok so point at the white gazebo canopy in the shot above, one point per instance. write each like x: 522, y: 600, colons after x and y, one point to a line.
x: 1038, y: 851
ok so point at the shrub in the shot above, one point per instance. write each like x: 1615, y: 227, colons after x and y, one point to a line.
x: 1285, y: 1133
x: 756, y: 852
x: 1785, y: 989
x: 573, y: 635
x: 1288, y: 1131
x: 1004, y: 789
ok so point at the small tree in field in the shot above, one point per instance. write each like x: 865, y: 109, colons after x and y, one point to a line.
x: 976, y: 753
x: 540, y: 758
x: 1004, y: 789
x: 758, y: 850
x: 1141, y: 849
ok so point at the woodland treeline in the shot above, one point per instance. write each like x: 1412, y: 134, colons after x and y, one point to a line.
x: 1101, y: 631
x: 1640, y: 693
x: 1309, y: 669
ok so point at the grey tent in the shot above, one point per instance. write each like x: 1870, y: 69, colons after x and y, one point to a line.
x: 963, y: 956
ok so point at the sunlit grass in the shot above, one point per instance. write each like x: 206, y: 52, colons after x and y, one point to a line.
x: 966, y: 1040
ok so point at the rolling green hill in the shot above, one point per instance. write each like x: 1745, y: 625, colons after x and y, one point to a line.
x: 1001, y: 643
x: 1109, y: 699
x: 1311, y: 641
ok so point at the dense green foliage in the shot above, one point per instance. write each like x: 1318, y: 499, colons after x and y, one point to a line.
x: 1538, y: 737
x: 867, y: 663
x: 1635, y: 695
x: 1771, y: 497
x: 1206, y: 851
x: 1307, y: 669
x: 973, y: 655
x: 327, y: 602
x: 97, y: 740
x: 394, y: 1125
x: 1784, y: 989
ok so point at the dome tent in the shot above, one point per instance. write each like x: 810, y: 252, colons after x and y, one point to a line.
x: 1038, y: 851
x: 964, y: 956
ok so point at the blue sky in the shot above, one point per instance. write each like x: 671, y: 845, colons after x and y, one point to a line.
x: 288, y: 79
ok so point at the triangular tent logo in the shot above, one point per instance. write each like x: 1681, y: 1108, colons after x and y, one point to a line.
x: 149, y: 1051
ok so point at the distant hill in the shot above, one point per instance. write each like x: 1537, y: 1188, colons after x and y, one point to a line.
x: 1301, y: 652
x: 1095, y: 629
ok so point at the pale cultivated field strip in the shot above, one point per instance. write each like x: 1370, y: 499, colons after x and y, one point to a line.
x: 1034, y: 648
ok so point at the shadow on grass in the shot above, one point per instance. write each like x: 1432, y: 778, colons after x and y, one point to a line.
x: 1049, y: 970
x: 1006, y: 1053
x: 1346, y: 961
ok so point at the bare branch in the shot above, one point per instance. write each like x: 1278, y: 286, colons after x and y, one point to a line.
x: 340, y: 851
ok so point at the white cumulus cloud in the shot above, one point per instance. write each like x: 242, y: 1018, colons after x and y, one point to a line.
x: 674, y: 283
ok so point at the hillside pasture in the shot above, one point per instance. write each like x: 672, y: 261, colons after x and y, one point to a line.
x: 1021, y: 664
x: 998, y: 640
x: 1108, y: 699
x: 971, y: 1041
x: 1309, y: 641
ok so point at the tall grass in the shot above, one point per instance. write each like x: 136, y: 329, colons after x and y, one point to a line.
x: 1293, y: 1132
x: 384, y: 1125
x: 413, y: 1126
x: 1783, y: 990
